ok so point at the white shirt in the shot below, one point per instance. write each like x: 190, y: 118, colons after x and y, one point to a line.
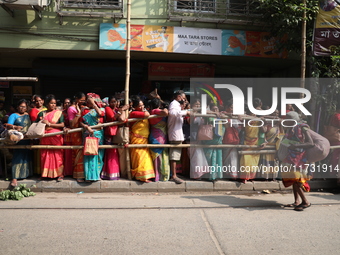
x: 175, y: 121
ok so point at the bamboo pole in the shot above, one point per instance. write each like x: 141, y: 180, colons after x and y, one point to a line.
x: 303, y: 48
x: 127, y: 78
x: 257, y: 152
x: 74, y: 147
x: 114, y: 123
x: 74, y: 130
x: 222, y: 116
x: 19, y: 79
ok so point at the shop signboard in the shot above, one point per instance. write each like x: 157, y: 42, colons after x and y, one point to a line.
x: 327, y: 28
x: 189, y: 40
x: 197, y: 41
x: 179, y: 71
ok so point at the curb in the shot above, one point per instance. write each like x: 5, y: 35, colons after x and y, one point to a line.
x: 71, y: 186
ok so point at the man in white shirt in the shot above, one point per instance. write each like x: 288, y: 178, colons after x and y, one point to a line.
x: 175, y: 131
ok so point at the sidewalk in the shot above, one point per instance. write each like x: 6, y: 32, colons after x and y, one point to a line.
x: 70, y: 185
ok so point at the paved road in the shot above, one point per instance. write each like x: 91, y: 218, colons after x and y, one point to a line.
x: 131, y: 223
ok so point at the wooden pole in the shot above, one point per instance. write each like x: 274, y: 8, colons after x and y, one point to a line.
x: 303, y: 48
x: 127, y: 77
x: 75, y: 147
x: 114, y: 123
x: 257, y: 152
x: 35, y: 79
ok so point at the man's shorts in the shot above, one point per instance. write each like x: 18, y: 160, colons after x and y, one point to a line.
x: 175, y: 153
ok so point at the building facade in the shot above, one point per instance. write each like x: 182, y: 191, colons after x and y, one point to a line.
x: 58, y: 41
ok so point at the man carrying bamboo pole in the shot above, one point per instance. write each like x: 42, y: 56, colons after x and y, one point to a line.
x: 175, y: 132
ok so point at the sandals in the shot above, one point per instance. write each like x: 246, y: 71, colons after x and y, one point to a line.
x: 291, y: 205
x: 60, y: 178
x: 177, y: 180
x: 14, y: 183
x: 301, y: 207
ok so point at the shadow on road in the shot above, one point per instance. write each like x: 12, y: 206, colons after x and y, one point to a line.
x: 248, y: 203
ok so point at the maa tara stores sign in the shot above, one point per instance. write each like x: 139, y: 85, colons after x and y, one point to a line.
x: 179, y: 71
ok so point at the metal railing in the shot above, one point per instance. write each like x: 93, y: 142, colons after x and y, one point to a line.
x: 89, y: 8
x: 212, y: 10
x: 92, y: 4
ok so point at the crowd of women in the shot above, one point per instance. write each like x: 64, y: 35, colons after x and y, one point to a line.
x: 85, y: 111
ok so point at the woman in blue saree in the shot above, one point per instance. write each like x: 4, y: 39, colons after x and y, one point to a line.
x: 213, y: 155
x: 93, y: 115
x: 22, y: 158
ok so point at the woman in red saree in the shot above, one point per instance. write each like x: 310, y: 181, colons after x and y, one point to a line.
x: 33, y: 113
x: 111, y: 170
x: 52, y: 165
x: 294, y: 171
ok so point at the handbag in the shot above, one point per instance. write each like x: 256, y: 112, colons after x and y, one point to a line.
x: 11, y: 136
x: 91, y: 146
x: 36, y: 130
x: 231, y: 136
x: 332, y: 133
x: 122, y: 135
x: 205, y: 132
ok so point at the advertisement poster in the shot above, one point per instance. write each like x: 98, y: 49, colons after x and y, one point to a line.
x: 112, y: 37
x: 268, y: 46
x: 197, y: 40
x: 233, y: 42
x: 189, y: 40
x: 253, y: 44
x: 157, y: 38
x: 143, y: 38
x: 327, y: 28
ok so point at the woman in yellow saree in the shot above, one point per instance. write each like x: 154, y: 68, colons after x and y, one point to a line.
x: 254, y: 135
x: 274, y: 133
x: 142, y: 166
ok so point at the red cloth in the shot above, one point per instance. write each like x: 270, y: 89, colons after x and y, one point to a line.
x: 136, y: 114
x: 109, y: 114
x: 335, y: 120
x: 97, y: 99
x: 87, y: 110
x: 155, y: 120
x: 33, y: 114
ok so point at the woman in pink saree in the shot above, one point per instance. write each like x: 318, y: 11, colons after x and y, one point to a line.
x: 52, y: 165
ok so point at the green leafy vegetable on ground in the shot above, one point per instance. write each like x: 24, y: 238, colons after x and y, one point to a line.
x: 17, y: 193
